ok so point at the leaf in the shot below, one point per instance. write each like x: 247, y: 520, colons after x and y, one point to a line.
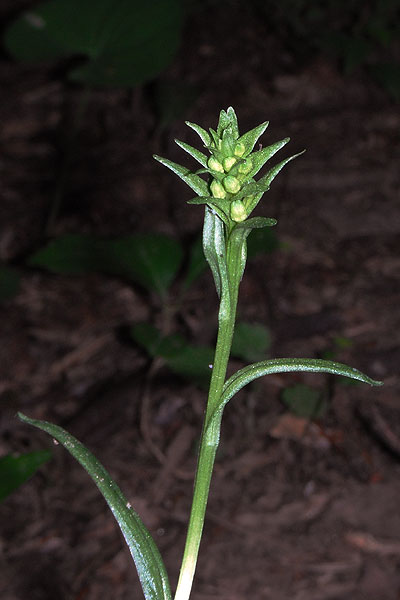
x: 261, y: 241
x: 262, y: 156
x: 388, y: 76
x: 151, y: 260
x: 9, y: 283
x: 184, y: 359
x: 250, y: 138
x: 199, y: 156
x: 194, y: 181
x: 215, y: 251
x: 263, y: 184
x: 304, y: 401
x: 171, y: 100
x: 257, y: 223
x: 149, y: 564
x: 285, y: 365
x: 202, y: 133
x: 250, y: 341
x: 15, y: 470
x: 123, y: 43
x: 196, y: 264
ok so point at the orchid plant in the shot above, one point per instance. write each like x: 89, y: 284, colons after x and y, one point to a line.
x: 230, y: 194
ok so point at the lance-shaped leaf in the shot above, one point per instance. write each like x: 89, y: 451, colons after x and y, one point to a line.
x: 263, y: 184
x: 220, y: 205
x: 199, y: 156
x: 197, y: 184
x: 148, y: 561
x: 215, y: 138
x: 262, y: 156
x: 250, y: 138
x: 215, y: 251
x: 257, y: 223
x: 228, y: 119
x: 286, y: 365
x: 202, y: 133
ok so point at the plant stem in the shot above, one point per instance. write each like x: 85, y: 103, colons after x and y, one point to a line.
x: 210, y: 435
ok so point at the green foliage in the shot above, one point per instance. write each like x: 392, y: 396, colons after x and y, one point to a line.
x: 149, y: 564
x: 187, y: 360
x: 285, y: 365
x: 15, y: 470
x: 9, y: 283
x: 304, y: 401
x: 151, y: 260
x: 121, y: 43
x: 250, y: 341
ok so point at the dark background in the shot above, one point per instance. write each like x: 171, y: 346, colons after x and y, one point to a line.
x: 294, y: 513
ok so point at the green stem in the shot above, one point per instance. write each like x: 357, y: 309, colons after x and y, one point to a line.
x: 211, y: 434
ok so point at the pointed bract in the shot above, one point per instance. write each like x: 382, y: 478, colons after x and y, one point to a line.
x: 202, y: 133
x: 197, y: 184
x: 199, y: 156
x: 250, y: 138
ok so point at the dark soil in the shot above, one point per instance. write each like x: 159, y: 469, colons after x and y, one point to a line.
x: 296, y: 512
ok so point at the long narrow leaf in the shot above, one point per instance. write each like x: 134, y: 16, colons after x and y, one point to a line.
x: 149, y: 564
x: 194, y: 181
x: 199, y: 156
x: 285, y: 365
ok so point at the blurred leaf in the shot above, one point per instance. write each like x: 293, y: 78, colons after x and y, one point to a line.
x: 149, y: 564
x: 197, y: 262
x: 388, y: 75
x: 151, y: 260
x: 15, y: 470
x: 123, y: 43
x: 262, y: 241
x: 304, y: 401
x: 9, y: 283
x: 184, y: 359
x: 171, y: 100
x: 250, y: 341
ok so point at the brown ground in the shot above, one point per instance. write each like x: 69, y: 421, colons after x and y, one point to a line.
x: 291, y: 516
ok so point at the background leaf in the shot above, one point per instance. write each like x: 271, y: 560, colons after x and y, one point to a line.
x: 123, y: 43
x: 151, y: 260
x: 262, y: 241
x: 9, y: 282
x: 197, y: 262
x: 15, y: 470
x: 304, y: 401
x: 250, y: 341
x: 187, y: 360
x: 149, y: 564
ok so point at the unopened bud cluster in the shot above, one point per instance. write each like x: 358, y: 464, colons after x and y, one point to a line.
x: 229, y: 169
x: 231, y: 192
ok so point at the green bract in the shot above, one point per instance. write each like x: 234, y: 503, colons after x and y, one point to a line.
x: 232, y: 190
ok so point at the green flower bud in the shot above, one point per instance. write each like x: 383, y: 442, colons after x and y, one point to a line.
x: 238, y: 211
x: 240, y: 149
x: 246, y: 166
x: 217, y: 189
x: 228, y: 162
x: 231, y: 184
x: 215, y: 165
